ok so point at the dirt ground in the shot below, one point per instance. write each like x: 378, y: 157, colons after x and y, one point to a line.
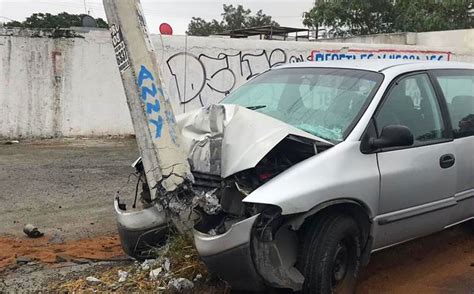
x: 66, y: 188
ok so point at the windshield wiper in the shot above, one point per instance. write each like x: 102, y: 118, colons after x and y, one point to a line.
x: 256, y: 107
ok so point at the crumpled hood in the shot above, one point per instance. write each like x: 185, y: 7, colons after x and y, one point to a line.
x: 225, y: 139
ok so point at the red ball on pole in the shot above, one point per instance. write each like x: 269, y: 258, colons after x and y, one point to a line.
x: 166, y: 29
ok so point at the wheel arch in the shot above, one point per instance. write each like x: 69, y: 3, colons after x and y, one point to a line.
x: 358, y: 210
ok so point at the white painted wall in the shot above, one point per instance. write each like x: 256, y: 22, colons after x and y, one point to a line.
x: 71, y: 87
x: 60, y: 87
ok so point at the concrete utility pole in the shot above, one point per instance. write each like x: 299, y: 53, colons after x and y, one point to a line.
x: 158, y: 137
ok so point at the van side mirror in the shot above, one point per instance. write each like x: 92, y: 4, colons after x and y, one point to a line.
x: 392, y: 136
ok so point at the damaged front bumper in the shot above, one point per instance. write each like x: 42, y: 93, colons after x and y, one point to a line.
x: 140, y: 231
x: 230, y: 256
x: 255, y: 253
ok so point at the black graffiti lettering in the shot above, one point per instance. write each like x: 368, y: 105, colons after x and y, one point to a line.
x: 204, y: 79
x: 176, y: 65
x: 299, y: 58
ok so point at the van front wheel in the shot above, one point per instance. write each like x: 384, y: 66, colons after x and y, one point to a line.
x: 331, y: 258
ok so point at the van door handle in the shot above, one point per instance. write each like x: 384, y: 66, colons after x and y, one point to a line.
x: 447, y: 161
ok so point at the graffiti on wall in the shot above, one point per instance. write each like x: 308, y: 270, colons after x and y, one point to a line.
x: 196, y: 80
x: 365, y: 54
x: 199, y: 80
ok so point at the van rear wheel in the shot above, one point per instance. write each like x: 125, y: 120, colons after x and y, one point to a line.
x: 331, y: 256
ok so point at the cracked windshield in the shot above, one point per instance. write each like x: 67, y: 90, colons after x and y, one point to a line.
x: 323, y: 102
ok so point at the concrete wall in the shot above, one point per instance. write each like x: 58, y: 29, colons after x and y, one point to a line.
x: 53, y: 87
x: 56, y: 86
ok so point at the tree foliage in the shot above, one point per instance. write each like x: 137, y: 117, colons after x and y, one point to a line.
x: 344, y: 18
x: 431, y: 15
x: 232, y: 18
x: 47, y: 20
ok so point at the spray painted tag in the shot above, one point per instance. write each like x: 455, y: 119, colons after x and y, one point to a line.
x: 121, y: 54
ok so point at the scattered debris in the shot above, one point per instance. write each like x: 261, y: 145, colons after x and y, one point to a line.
x: 123, y: 275
x: 176, y: 261
x: 62, y: 257
x: 180, y: 284
x: 197, y: 278
x: 154, y: 274
x: 12, y: 142
x: 147, y: 264
x: 208, y: 201
x: 167, y: 264
x: 93, y: 281
x: 22, y: 260
x: 32, y: 231
x: 177, y: 206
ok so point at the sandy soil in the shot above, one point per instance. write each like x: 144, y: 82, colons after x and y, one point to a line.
x: 46, y: 251
x: 440, y: 263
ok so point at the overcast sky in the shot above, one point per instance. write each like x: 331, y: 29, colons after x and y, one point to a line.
x: 177, y: 13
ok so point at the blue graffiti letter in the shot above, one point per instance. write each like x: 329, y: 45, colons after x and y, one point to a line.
x: 153, y: 107
x: 144, y: 75
x: 146, y: 90
x: 158, y: 123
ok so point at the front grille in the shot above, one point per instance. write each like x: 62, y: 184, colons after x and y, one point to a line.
x: 206, y: 181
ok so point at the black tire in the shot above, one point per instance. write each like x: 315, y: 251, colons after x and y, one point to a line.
x: 330, y: 257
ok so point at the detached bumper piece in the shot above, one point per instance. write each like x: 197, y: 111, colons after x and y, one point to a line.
x: 141, y: 231
x: 229, y: 255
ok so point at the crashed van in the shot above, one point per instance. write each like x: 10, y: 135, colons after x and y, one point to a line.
x: 305, y: 170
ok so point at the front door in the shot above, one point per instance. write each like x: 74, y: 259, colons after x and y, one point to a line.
x: 417, y: 183
x: 457, y: 87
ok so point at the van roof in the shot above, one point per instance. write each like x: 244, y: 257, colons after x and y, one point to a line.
x: 380, y: 65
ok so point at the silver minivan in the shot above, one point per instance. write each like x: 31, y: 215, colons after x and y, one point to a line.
x: 306, y: 169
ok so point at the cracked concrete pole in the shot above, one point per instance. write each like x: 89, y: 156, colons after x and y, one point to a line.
x: 158, y: 137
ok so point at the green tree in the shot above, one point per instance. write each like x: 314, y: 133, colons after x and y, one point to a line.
x: 432, y: 15
x: 232, y: 18
x: 48, y: 20
x: 347, y: 18
x: 351, y: 17
x: 260, y: 19
x: 200, y: 27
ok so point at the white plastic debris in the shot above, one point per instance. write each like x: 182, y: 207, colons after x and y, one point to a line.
x: 93, y: 281
x: 180, y: 284
x: 167, y: 264
x: 197, y: 277
x: 147, y: 264
x: 123, y: 275
x: 154, y: 274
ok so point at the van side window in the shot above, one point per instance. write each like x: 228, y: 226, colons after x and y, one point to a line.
x: 412, y: 102
x: 458, y: 89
